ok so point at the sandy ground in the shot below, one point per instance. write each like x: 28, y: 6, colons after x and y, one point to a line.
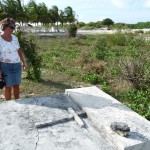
x: 96, y: 31
x: 84, y: 32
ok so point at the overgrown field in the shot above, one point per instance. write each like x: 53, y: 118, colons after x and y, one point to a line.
x: 118, y: 63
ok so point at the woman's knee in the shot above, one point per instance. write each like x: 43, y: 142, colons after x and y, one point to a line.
x: 16, y: 86
x: 8, y: 88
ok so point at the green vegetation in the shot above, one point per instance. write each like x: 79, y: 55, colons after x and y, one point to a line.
x: 107, y: 22
x: 30, y: 51
x: 117, y: 63
x: 72, y: 30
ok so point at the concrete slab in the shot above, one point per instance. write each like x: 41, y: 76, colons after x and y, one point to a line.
x: 102, y: 110
x: 18, y: 130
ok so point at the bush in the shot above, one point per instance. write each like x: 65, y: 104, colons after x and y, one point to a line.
x: 117, y: 39
x: 33, y: 60
x: 87, y: 27
x: 138, y: 101
x: 139, y: 31
x: 95, y: 79
x: 135, y: 64
x: 71, y: 30
x: 91, y: 77
x: 100, y: 48
x: 81, y: 24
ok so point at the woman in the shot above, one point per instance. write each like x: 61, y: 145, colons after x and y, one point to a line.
x: 10, y: 59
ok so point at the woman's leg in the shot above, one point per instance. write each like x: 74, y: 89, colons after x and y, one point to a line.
x: 7, y: 93
x: 16, y: 91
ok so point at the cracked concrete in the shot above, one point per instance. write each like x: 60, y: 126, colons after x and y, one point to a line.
x: 18, y: 131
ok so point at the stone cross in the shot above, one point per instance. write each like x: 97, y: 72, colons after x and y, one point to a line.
x: 72, y: 116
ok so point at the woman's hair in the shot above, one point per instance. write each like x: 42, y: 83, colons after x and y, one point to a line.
x: 6, y: 23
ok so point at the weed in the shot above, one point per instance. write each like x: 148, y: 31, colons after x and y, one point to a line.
x: 91, y: 77
x: 138, y: 101
x: 135, y: 65
x: 100, y: 48
x: 117, y: 39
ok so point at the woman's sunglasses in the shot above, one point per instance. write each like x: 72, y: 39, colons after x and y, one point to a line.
x: 12, y: 27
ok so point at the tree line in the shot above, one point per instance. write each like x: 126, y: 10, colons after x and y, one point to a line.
x: 35, y: 13
x: 111, y: 24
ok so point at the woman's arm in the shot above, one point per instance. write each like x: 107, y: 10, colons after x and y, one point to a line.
x: 22, y: 59
x: 0, y: 74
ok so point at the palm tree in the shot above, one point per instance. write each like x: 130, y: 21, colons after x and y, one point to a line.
x: 70, y: 15
x: 35, y: 13
x: 2, y: 13
x: 43, y: 14
x: 33, y: 10
x: 54, y: 15
x: 20, y: 11
x: 62, y: 17
x: 10, y: 8
x: 13, y: 9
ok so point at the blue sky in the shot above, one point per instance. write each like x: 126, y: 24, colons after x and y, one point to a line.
x: 126, y: 11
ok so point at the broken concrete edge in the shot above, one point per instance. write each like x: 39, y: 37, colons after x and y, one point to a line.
x: 77, y: 96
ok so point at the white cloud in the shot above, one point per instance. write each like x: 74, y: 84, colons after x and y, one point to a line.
x: 147, y: 3
x: 122, y: 3
x: 118, y: 3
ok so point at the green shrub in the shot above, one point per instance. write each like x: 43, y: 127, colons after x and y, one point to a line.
x: 139, y: 31
x: 91, y: 77
x: 72, y: 72
x: 30, y: 51
x: 134, y: 65
x: 71, y: 30
x: 100, y: 48
x: 117, y: 39
x: 95, y: 79
x: 138, y: 101
x: 87, y: 27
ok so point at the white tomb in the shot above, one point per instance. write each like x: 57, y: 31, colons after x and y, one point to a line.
x: 102, y: 110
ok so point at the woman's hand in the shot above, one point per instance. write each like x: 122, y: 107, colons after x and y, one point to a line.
x: 0, y: 74
x: 24, y: 67
x: 22, y: 59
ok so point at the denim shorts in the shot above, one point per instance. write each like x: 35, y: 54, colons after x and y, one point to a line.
x: 12, y: 73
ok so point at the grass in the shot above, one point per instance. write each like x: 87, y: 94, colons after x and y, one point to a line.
x: 80, y: 62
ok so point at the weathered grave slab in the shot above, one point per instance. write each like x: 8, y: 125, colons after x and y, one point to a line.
x: 18, y: 130
x: 102, y: 110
